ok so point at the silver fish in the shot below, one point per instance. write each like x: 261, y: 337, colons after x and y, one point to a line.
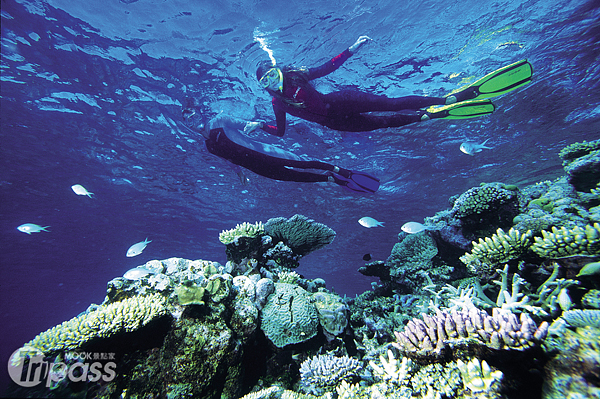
x: 470, y: 148
x: 369, y: 222
x: 137, y: 249
x: 31, y: 228
x: 80, y: 190
x: 137, y: 273
x: 413, y: 227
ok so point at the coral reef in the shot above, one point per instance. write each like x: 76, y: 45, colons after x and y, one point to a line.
x: 301, y: 234
x: 289, y: 317
x: 479, y: 379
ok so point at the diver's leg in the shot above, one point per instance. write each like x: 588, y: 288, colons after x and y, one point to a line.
x: 350, y: 101
x: 368, y: 122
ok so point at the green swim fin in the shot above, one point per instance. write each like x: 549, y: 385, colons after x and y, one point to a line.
x: 462, y: 110
x: 495, y: 83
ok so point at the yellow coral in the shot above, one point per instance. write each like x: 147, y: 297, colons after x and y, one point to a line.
x: 499, y: 248
x: 241, y: 230
x: 478, y: 376
x: 124, y: 316
x: 563, y: 242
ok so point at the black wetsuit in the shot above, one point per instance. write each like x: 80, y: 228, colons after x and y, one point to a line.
x: 345, y: 110
x: 227, y: 141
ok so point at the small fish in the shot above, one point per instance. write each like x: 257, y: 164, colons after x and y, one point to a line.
x: 31, y: 228
x: 137, y: 273
x: 367, y: 257
x: 413, y: 227
x: 80, y: 190
x: 589, y: 269
x: 137, y: 249
x: 369, y: 222
x: 470, y: 148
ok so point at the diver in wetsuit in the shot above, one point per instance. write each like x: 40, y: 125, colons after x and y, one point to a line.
x: 348, y: 110
x: 224, y: 138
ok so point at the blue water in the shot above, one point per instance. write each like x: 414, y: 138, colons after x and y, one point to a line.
x: 92, y: 94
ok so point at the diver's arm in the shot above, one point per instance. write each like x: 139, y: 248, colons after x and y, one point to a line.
x: 227, y: 122
x: 337, y: 61
x: 280, y: 121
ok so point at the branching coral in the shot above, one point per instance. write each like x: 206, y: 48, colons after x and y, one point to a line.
x: 499, y: 248
x: 323, y: 372
x: 567, y: 242
x: 118, y: 317
x: 478, y: 376
x: 241, y: 230
x: 391, y: 370
x: 502, y: 330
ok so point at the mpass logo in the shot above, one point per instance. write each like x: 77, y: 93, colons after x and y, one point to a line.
x: 27, y: 368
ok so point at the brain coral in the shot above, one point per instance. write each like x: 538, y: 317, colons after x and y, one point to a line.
x: 481, y: 199
x: 107, y: 320
x: 289, y: 317
x: 301, y: 234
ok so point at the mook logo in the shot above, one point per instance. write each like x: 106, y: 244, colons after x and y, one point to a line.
x: 27, y: 368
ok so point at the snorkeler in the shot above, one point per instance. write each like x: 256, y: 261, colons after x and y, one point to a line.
x: 348, y: 110
x: 224, y: 138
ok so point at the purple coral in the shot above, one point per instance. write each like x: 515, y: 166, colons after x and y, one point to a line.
x: 501, y: 330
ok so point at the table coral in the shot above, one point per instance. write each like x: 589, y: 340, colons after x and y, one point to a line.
x: 301, y: 234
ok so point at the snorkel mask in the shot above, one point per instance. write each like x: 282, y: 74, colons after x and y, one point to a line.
x: 272, y: 79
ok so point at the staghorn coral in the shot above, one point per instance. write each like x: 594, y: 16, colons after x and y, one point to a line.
x: 289, y: 317
x: 347, y: 391
x: 568, y: 242
x: 266, y: 393
x: 499, y: 248
x: 502, y: 330
x: 322, y: 373
x: 290, y: 277
x: 241, y: 230
x: 301, y: 234
x: 119, y: 317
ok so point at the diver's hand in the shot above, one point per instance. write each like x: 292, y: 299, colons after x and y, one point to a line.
x: 359, y: 42
x: 252, y: 126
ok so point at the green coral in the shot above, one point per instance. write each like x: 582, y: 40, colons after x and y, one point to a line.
x: 289, y: 317
x: 218, y: 288
x: 543, y: 203
x: 107, y: 320
x: 190, y: 294
x: 582, y: 318
x: 481, y: 199
x: 332, y: 312
x: 577, y: 150
x: 301, y: 234
x: 241, y: 230
x: 499, y: 248
x: 568, y: 242
x: 591, y: 299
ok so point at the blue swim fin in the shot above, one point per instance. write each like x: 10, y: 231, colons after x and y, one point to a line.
x: 359, y: 182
